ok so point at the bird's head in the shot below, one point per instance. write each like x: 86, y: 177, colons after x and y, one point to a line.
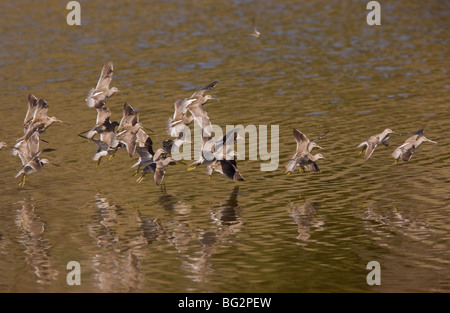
x: 213, y: 97
x: 423, y: 138
x: 112, y: 91
x: 390, y: 131
x: 319, y: 156
x: 55, y: 119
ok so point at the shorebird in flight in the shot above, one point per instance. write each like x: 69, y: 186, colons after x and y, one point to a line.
x: 407, y: 149
x: 102, y: 90
x: 368, y: 146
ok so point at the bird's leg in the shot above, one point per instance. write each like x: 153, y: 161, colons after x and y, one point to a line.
x: 140, y: 179
x: 301, y: 169
x: 98, y: 162
x: 163, y: 188
x: 22, y: 181
x: 287, y: 172
x: 113, y: 153
x: 396, y: 162
x: 192, y: 168
x: 136, y: 171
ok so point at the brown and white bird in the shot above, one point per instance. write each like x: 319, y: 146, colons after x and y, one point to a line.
x: 142, y: 137
x: 255, y: 32
x: 303, y: 157
x: 33, y: 165
x: 368, y: 146
x: 177, y: 125
x: 219, y: 156
x: 197, y: 107
x: 40, y: 121
x: 227, y: 168
x: 128, y: 138
x: 129, y: 118
x: 25, y: 148
x: 28, y: 152
x: 32, y: 105
x: 146, y: 154
x: 103, y: 113
x: 102, y: 90
x: 157, y: 166
x: 307, y: 162
x: 103, y: 149
x: 103, y: 125
x: 127, y: 132
x: 225, y: 161
x: 407, y: 149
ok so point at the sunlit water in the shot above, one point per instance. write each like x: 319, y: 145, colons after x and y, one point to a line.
x: 318, y: 66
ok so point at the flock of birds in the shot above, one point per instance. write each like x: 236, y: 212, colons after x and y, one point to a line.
x: 218, y: 155
x: 307, y: 162
x: 27, y: 146
x: 129, y: 133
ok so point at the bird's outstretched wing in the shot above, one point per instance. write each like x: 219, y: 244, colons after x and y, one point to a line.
x: 41, y: 111
x: 32, y: 105
x: 321, y: 136
x: 105, y: 76
x: 204, y: 89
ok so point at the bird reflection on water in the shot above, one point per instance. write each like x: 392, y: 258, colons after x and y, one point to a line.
x: 37, y: 248
x: 307, y: 221
x: 195, y: 246
x: 226, y: 217
x: 383, y: 222
x: 117, y: 262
